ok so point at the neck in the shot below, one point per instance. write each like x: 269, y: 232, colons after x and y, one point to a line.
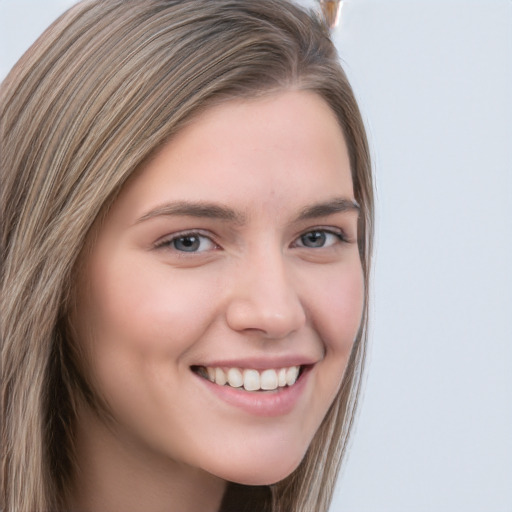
x: 114, y: 473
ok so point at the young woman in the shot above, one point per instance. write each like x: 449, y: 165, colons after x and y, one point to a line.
x: 187, y: 220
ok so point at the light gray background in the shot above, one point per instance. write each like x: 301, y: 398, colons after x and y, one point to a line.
x: 434, y: 80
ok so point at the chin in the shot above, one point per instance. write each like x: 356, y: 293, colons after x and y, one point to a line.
x: 263, y: 471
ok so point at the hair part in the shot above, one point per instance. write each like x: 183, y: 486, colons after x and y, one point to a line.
x: 94, y: 98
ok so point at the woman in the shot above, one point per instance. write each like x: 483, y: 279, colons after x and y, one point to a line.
x: 187, y: 219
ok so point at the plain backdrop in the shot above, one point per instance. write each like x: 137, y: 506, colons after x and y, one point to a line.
x: 434, y: 81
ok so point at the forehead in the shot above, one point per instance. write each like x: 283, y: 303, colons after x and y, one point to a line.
x: 283, y: 148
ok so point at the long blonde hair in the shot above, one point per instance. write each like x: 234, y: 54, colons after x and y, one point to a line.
x: 99, y: 92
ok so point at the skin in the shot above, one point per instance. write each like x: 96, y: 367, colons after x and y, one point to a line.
x: 254, y: 289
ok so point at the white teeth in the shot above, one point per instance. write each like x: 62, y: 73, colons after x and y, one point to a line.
x: 281, y: 377
x: 291, y: 375
x: 235, y: 378
x: 220, y: 377
x: 252, y: 380
x: 268, y: 380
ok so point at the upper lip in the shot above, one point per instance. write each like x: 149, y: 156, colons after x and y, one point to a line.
x: 261, y: 363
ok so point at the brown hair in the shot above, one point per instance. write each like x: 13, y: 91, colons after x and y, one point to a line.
x: 100, y: 91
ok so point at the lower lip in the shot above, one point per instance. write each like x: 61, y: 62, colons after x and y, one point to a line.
x: 261, y: 403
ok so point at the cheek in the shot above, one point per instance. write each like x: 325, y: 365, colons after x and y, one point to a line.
x: 337, y: 313
x: 145, y: 308
x: 337, y: 308
x: 136, y: 322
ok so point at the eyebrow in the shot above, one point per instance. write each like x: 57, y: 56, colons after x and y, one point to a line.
x: 193, y: 209
x: 220, y: 212
x: 336, y: 205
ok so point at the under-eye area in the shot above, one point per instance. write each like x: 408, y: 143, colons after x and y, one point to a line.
x: 250, y: 379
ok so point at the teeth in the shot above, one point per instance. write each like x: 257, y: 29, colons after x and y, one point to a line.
x: 268, y: 380
x: 211, y: 374
x: 235, y: 378
x: 281, y: 377
x: 220, y: 377
x: 252, y: 380
x: 291, y: 375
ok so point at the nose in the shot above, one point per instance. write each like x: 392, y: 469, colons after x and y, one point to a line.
x: 265, y: 299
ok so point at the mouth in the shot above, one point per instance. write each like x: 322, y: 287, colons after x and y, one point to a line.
x: 250, y: 379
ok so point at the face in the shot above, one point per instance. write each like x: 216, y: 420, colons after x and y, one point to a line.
x: 224, y: 290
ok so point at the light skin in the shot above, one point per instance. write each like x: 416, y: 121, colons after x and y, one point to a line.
x: 236, y: 245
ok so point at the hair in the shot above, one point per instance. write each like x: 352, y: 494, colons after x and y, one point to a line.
x: 95, y: 97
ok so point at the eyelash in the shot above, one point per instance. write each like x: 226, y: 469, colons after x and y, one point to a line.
x: 168, y: 242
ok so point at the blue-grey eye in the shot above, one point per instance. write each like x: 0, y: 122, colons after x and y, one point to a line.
x: 319, y: 238
x: 313, y: 239
x: 192, y: 243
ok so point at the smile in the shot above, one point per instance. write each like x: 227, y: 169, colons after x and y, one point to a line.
x: 250, y: 379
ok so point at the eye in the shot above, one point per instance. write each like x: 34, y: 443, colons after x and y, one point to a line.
x: 319, y: 238
x: 188, y: 242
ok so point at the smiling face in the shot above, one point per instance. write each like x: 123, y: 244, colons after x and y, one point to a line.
x: 232, y: 255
